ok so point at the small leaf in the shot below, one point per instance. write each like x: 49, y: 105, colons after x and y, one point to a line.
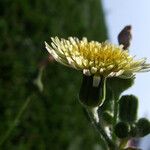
x: 119, y: 85
x: 107, y: 117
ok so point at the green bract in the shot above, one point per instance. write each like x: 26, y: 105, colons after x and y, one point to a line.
x: 92, y: 94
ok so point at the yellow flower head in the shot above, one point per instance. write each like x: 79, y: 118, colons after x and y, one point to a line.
x: 95, y: 58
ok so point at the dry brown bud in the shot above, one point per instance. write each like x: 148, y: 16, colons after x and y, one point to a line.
x: 125, y: 36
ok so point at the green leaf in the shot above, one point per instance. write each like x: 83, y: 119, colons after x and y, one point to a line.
x: 119, y: 85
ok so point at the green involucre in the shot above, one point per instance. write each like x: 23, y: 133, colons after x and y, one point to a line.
x: 128, y: 107
x: 90, y: 95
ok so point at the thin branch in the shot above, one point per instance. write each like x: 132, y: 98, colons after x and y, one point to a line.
x: 115, y: 116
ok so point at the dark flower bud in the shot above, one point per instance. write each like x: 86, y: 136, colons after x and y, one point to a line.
x: 143, y: 126
x: 128, y: 107
x: 92, y: 93
x: 121, y: 130
x: 125, y: 36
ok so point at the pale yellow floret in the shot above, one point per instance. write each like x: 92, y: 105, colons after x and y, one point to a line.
x: 100, y: 59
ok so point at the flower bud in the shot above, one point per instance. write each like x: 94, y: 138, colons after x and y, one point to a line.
x: 128, y: 107
x: 125, y: 36
x: 143, y: 126
x: 121, y: 129
x: 92, y: 91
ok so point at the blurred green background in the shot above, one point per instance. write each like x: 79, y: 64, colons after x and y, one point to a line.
x: 54, y: 119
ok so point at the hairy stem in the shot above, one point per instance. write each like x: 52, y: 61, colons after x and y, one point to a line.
x: 101, y: 131
x: 115, y: 116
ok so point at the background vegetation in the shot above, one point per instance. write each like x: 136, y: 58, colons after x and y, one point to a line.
x: 54, y: 118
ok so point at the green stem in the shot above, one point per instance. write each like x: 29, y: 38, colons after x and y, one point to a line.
x: 15, y: 122
x: 115, y: 116
x: 102, y: 132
